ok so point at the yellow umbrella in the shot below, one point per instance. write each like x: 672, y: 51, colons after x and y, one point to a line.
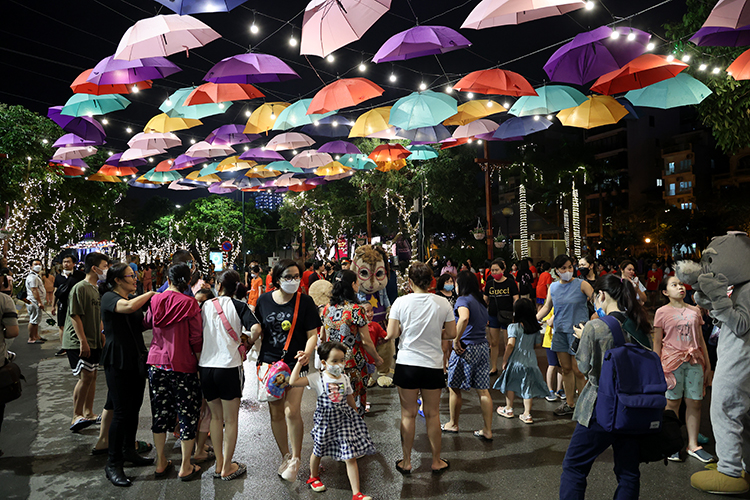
x: 597, y: 111
x: 233, y: 164
x: 103, y: 178
x: 333, y: 168
x: 210, y: 178
x: 260, y: 172
x: 143, y: 180
x: 375, y: 120
x: 385, y: 166
x: 473, y: 110
x: 163, y: 123
x: 263, y: 118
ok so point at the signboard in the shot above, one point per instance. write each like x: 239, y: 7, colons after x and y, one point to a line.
x: 217, y: 258
x: 227, y: 246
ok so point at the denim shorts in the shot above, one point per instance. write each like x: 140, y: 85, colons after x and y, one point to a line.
x: 562, y: 341
x: 689, y: 382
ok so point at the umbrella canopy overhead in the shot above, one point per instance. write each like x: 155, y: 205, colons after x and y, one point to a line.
x: 721, y: 37
x: 179, y: 186
x: 81, y: 85
x: 331, y: 24
x: 154, y: 140
x: 495, y: 81
x: 111, y: 71
x: 222, y: 92
x: 421, y: 152
x: 234, y: 164
x: 283, y: 166
x: 289, y: 140
x: 250, y: 68
x: 165, y: 165
x: 82, y: 126
x: 425, y: 135
x: 117, y: 171
x: 203, y: 149
x: 162, y: 36
x: 597, y: 111
x: 136, y: 153
x: 261, y: 155
x: 422, y: 109
x: 183, y: 7
x: 174, y: 106
x: 263, y: 118
x: 481, y: 126
x: 521, y: 127
x: 473, y: 110
x: 682, y: 90
x: 389, y: 152
x: 161, y: 177
x: 729, y: 14
x: 184, y: 161
x: 116, y: 161
x: 229, y: 135
x: 333, y: 168
x: 72, y: 140
x: 260, y: 172
x: 740, y: 67
x: 100, y: 177
x: 89, y: 104
x: 491, y: 13
x: 164, y: 123
x: 641, y: 72
x: 311, y: 159
x: 420, y: 41
x: 71, y: 153
x: 339, y: 148
x: 550, y: 99
x: 389, y: 134
x: 143, y: 185
x: 357, y: 162
x: 295, y: 115
x: 343, y: 93
x: 370, y: 122
x: 386, y: 166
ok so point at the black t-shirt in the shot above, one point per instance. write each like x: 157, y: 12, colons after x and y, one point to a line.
x: 525, y: 281
x: 500, y: 294
x: 246, y: 315
x: 273, y: 316
x: 64, y: 284
x: 123, y: 334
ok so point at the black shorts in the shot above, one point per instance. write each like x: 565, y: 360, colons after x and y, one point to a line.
x: 222, y: 383
x: 418, y: 377
x: 61, y: 313
x: 78, y: 363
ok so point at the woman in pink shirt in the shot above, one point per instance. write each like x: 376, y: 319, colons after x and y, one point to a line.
x: 173, y: 369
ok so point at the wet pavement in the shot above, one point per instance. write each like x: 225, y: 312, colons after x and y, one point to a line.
x: 44, y: 460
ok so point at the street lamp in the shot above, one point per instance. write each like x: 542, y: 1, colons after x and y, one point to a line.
x: 647, y: 240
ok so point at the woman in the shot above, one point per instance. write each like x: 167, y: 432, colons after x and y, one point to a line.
x: 345, y: 321
x: 277, y: 312
x: 616, y: 298
x: 569, y: 297
x: 173, y: 369
x: 628, y: 273
x: 124, y: 362
x: 6, y: 281
x: 469, y: 366
x: 500, y: 293
x: 525, y: 280
x: 49, y: 285
x: 419, y: 318
x: 445, y: 287
x: 222, y: 377
x: 448, y: 268
x: 587, y: 269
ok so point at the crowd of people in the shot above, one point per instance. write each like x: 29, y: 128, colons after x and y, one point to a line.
x: 457, y: 327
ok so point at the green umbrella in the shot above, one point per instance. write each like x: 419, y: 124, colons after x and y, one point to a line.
x: 174, y: 106
x: 550, y: 99
x: 211, y: 168
x: 422, y: 152
x: 296, y: 116
x: 422, y: 109
x: 284, y: 166
x: 357, y: 162
x: 682, y: 90
x: 162, y: 177
x: 89, y: 104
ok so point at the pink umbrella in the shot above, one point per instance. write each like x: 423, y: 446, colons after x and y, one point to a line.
x: 481, y: 126
x: 73, y: 152
x: 311, y: 159
x: 222, y: 187
x: 491, y: 13
x: 389, y: 133
x: 176, y: 186
x: 203, y: 149
x: 729, y: 14
x: 72, y: 140
x: 289, y: 140
x: 154, y: 140
x: 135, y: 153
x: 162, y: 36
x: 286, y: 180
x: 331, y: 24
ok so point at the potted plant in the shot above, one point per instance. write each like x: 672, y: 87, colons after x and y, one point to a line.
x: 478, y: 232
x: 500, y: 240
x: 295, y: 245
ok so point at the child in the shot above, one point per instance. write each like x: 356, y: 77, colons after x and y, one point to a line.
x: 553, y: 365
x: 520, y: 369
x: 678, y: 340
x: 256, y: 287
x: 338, y: 430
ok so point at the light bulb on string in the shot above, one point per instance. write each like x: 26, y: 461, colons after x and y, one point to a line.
x: 129, y: 130
x: 330, y: 58
x: 135, y: 89
x: 221, y: 105
x: 105, y: 121
x: 273, y: 116
x: 702, y: 67
x: 110, y: 153
x: 362, y: 67
x: 549, y: 117
x: 392, y: 77
x: 168, y: 102
x: 615, y: 34
x: 631, y: 36
x: 448, y: 89
x: 506, y: 105
x: 151, y: 160
x: 192, y: 141
x: 422, y: 86
x: 44, y: 141
x: 470, y: 95
x: 651, y: 46
x: 589, y: 5
x: 670, y: 58
x: 254, y: 28
x: 716, y: 70
x: 248, y: 113
x: 685, y: 58
x: 292, y: 41
x: 536, y: 118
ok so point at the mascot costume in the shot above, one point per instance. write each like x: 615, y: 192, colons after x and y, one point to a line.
x: 724, y: 264
x: 371, y: 265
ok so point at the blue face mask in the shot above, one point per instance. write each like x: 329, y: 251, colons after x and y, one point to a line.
x: 600, y: 312
x: 448, y: 288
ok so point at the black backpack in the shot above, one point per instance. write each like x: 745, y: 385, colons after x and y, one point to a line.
x: 667, y: 442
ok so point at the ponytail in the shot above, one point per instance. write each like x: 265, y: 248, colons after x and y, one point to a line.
x: 179, y: 276
x: 623, y: 292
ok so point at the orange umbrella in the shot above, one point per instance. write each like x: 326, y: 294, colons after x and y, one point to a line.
x: 222, y: 92
x: 333, y: 168
x: 343, y: 93
x: 495, y: 81
x: 302, y: 187
x: 642, y: 71
x: 389, y: 152
x: 82, y: 86
x: 260, y: 172
x: 164, y: 166
x: 385, y: 166
x: 740, y: 68
x: 118, y: 171
x: 103, y: 178
x: 455, y: 142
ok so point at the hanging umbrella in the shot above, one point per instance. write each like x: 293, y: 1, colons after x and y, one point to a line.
x: 209, y: 169
x: 165, y: 165
x: 74, y: 152
x: 162, y: 36
x: 263, y: 118
x: 481, y: 126
x: 740, y: 67
x: 597, y: 111
x: 491, y: 13
x: 229, y: 135
x: 330, y: 126
x: 180, y: 186
x: 296, y: 115
x: 261, y: 155
x: 139, y: 183
x: 118, y: 171
x: 374, y: 120
x: 284, y: 166
x: 550, y: 99
x: 298, y: 188
x: 632, y: 115
x: 81, y: 85
x: 389, y: 134
x: 72, y: 140
x: 425, y: 135
x: 82, y: 126
x: 331, y: 24
x: 225, y: 187
x: 452, y: 143
x: 638, y: 73
x: 286, y: 180
x: 521, y: 127
x: 244, y: 183
x: 174, y: 106
x: 420, y: 152
x: 339, y: 148
x: 250, y: 68
x: 100, y: 177
x: 333, y: 168
x: 495, y: 81
x: 183, y: 7
x: 729, y: 14
x: 76, y: 165
x: 111, y: 71
x: 358, y: 162
x: 422, y: 109
x: 222, y: 92
x: 420, y: 41
x: 203, y: 149
x: 474, y: 110
x: 289, y: 140
x: 154, y: 140
x: 234, y: 164
x: 206, y: 179
x: 88, y: 104
x: 710, y: 36
x: 136, y: 153
x: 116, y: 166
x: 260, y: 172
x: 343, y: 93
x: 389, y: 152
x: 161, y: 177
x: 311, y: 159
x: 164, y: 123
x: 491, y: 137
x: 592, y: 54
x: 682, y: 90
x: 387, y: 166
x: 185, y: 161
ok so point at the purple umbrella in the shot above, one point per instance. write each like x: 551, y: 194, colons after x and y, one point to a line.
x: 221, y: 188
x: 229, y: 135
x: 339, y: 148
x: 82, y: 126
x: 185, y: 161
x: 261, y: 155
x: 316, y: 181
x: 114, y: 161
x: 420, y: 41
x: 722, y: 37
x: 111, y: 71
x: 521, y: 127
x: 183, y: 7
x: 594, y: 53
x: 250, y: 68
x: 330, y: 126
x: 71, y: 140
x: 133, y: 183
x: 425, y: 135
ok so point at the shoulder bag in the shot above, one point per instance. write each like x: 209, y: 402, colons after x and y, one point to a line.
x: 274, y: 381
x: 228, y: 327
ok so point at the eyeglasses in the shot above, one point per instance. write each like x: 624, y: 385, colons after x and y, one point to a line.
x: 290, y: 278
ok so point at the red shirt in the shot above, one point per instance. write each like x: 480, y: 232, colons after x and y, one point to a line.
x: 653, y: 278
x: 545, y: 280
x: 306, y: 279
x: 377, y: 334
x: 269, y: 283
x: 533, y: 272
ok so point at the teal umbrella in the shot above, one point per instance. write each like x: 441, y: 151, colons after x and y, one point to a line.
x: 162, y: 177
x: 284, y: 166
x: 89, y: 104
x: 422, y: 109
x: 174, y: 106
x: 295, y: 116
x: 211, y: 168
x: 422, y: 152
x: 682, y: 90
x: 550, y: 99
x: 357, y: 162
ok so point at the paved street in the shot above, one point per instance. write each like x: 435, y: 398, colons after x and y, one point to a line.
x: 44, y: 460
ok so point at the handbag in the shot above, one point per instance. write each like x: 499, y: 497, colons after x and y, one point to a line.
x: 274, y: 381
x: 10, y: 382
x: 228, y: 327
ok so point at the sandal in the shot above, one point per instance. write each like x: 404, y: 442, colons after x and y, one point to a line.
x: 526, y: 419
x: 241, y: 469
x: 401, y: 469
x: 449, y: 431
x: 316, y: 484
x: 505, y: 412
x: 481, y: 436
x: 165, y: 472
x: 440, y: 471
x: 196, y: 472
x: 143, y: 447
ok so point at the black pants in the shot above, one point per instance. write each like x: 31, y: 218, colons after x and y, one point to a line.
x: 126, y: 389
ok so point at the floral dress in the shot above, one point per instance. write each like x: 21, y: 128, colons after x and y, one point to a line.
x: 342, y: 323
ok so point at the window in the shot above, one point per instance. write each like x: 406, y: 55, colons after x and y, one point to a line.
x: 686, y: 185
x: 670, y: 191
x: 686, y: 206
x: 670, y: 168
x: 659, y: 182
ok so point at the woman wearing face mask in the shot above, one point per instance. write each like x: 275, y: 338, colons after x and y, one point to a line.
x: 500, y: 293
x: 446, y: 286
x: 587, y: 269
x: 569, y: 297
x: 276, y: 313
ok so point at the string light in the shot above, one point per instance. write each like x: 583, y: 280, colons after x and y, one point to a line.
x: 110, y: 153
x: 686, y: 58
x: 576, y: 222
x: 651, y: 46
x: 248, y: 113
x: 422, y: 86
x: 615, y: 34
x: 702, y: 67
x: 536, y: 118
x: 589, y: 5
x: 523, y: 221
x: 330, y: 58
x: 254, y: 28
x: 293, y: 41
x: 168, y: 102
x: 135, y: 89
x: 392, y: 77
x: 192, y: 141
x: 221, y: 105
x: 273, y: 116
x: 716, y: 70
x: 129, y: 130
x: 105, y: 122
x: 549, y: 117
x: 670, y: 58
x: 362, y: 67
x: 631, y: 36
x: 151, y: 160
x: 566, y: 222
x: 470, y: 95
x: 448, y: 89
x: 44, y: 141
x: 506, y: 105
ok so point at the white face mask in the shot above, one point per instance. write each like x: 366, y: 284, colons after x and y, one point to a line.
x: 335, y: 370
x: 290, y: 286
x: 37, y: 269
x: 66, y: 272
x: 567, y: 276
x: 102, y: 275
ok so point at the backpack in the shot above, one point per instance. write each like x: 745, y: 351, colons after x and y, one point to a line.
x: 657, y: 447
x: 631, y: 387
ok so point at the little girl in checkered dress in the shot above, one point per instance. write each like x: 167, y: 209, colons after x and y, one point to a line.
x: 338, y: 430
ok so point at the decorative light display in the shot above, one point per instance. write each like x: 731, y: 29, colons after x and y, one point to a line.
x: 524, y: 222
x: 268, y: 201
x: 576, y: 222
x: 566, y: 221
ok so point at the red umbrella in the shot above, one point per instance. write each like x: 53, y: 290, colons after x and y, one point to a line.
x: 452, y: 143
x: 740, y: 68
x: 117, y: 171
x: 343, y: 93
x: 222, y: 92
x: 641, y: 72
x: 165, y: 166
x: 389, y: 152
x: 81, y: 85
x: 495, y: 81
x: 298, y: 188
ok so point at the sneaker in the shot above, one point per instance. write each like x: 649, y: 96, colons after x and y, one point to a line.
x: 11, y: 356
x: 61, y: 352
x: 361, y: 496
x: 561, y: 395
x: 551, y: 397
x: 702, y: 455
x: 290, y: 474
x: 316, y: 484
x: 284, y: 463
x: 563, y: 410
x: 675, y: 458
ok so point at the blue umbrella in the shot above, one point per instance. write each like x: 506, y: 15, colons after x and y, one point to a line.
x: 357, y: 162
x: 133, y: 183
x: 330, y: 126
x: 174, y: 106
x: 682, y: 90
x: 521, y: 127
x: 421, y: 152
x: 183, y: 7
x: 422, y: 109
x: 426, y: 135
x: 284, y: 166
x: 550, y: 99
x: 89, y: 104
x: 295, y: 116
x: 632, y: 115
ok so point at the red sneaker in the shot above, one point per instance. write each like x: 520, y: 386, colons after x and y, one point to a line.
x: 361, y: 496
x: 316, y: 484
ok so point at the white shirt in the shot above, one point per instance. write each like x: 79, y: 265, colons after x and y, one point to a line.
x: 219, y: 349
x: 337, y: 389
x: 34, y: 281
x: 422, y: 317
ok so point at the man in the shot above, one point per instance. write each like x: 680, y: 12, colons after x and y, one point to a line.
x: 346, y: 264
x: 83, y: 338
x: 186, y: 257
x: 130, y: 260
x: 320, y: 272
x: 64, y: 283
x: 35, y: 294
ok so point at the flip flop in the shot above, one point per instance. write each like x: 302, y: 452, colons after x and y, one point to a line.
x: 195, y: 473
x: 440, y: 471
x: 143, y: 447
x: 482, y: 436
x: 401, y: 469
x: 81, y: 424
x: 241, y: 469
x: 165, y: 472
x: 35, y: 342
x: 442, y: 428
